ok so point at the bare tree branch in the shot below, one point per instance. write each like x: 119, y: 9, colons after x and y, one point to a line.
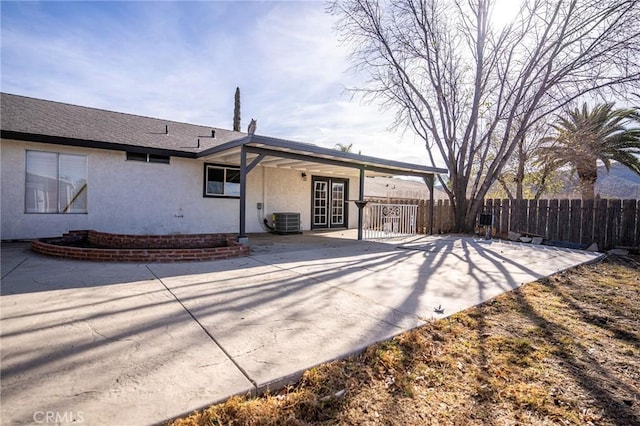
x: 472, y: 92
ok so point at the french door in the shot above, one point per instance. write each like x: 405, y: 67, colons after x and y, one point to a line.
x: 329, y: 203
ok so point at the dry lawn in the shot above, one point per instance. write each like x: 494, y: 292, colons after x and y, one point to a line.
x: 562, y: 350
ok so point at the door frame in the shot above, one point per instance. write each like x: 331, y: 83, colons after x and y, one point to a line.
x: 345, y: 208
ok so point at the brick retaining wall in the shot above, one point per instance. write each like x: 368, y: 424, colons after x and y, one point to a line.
x: 128, y: 248
x: 158, y: 241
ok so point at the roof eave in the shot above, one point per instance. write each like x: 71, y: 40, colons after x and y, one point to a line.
x: 368, y: 163
x: 87, y: 143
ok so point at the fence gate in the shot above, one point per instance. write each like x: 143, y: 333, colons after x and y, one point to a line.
x: 389, y: 221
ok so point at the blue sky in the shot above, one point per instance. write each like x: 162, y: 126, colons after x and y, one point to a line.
x: 183, y: 60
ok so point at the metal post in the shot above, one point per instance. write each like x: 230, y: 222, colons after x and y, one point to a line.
x: 429, y: 182
x: 243, y: 192
x: 361, y: 198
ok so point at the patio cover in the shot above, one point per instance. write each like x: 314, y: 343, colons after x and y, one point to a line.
x: 252, y: 150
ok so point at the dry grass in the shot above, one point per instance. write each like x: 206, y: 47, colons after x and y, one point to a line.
x: 562, y: 350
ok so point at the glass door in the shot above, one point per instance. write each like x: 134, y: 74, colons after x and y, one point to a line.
x: 329, y: 203
x: 320, y: 204
x: 337, y: 204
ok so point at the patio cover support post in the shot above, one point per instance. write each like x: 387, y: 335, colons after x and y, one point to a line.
x: 243, y: 192
x: 244, y: 170
x: 361, y: 198
x: 429, y: 181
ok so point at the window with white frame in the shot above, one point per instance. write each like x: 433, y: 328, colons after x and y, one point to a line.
x: 221, y: 181
x: 55, y: 183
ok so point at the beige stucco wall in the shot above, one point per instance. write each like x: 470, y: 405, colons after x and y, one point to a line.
x: 285, y: 190
x: 148, y: 198
x: 280, y: 187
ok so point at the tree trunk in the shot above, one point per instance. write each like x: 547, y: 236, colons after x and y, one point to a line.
x: 522, y: 159
x: 465, y: 211
x: 474, y: 209
x: 459, y: 215
x: 520, y: 180
x: 587, y: 189
x: 236, y: 111
x: 588, y: 175
x: 459, y: 204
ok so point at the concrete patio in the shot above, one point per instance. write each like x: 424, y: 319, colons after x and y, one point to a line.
x: 108, y: 343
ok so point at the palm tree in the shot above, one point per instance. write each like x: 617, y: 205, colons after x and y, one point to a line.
x: 236, y: 111
x: 584, y: 137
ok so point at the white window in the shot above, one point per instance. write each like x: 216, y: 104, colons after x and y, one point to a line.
x: 221, y: 181
x: 55, y: 183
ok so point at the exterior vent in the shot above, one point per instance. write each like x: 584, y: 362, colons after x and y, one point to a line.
x: 286, y: 223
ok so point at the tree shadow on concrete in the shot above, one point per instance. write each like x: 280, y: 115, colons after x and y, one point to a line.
x: 106, y: 311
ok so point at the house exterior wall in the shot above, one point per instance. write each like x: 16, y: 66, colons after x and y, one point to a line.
x: 286, y: 191
x: 128, y: 197
x: 132, y: 197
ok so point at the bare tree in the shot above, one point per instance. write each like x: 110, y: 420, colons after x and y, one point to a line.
x: 460, y: 83
x: 528, y: 173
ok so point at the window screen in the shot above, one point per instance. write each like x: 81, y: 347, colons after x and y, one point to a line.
x: 55, y: 183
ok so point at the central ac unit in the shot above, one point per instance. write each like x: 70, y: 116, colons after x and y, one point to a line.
x: 286, y: 223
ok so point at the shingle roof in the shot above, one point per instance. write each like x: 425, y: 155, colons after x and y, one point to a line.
x: 55, y: 120
x: 38, y: 120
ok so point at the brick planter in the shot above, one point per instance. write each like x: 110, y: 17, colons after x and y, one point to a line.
x: 107, y: 247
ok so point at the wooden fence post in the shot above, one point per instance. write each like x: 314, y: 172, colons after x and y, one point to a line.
x: 514, y: 218
x: 553, y: 220
x: 541, y: 226
x: 600, y: 223
x: 513, y: 212
x: 563, y: 220
x: 448, y: 216
x: 426, y: 216
x: 487, y: 208
x: 588, y: 210
x: 505, y: 215
x: 420, y: 218
x: 496, y: 215
x: 428, y: 219
x: 627, y: 224
x: 637, y: 239
x: 532, y: 216
x: 613, y: 223
x: 523, y: 214
x: 575, y: 220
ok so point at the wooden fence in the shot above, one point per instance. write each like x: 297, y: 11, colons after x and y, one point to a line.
x: 607, y: 222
